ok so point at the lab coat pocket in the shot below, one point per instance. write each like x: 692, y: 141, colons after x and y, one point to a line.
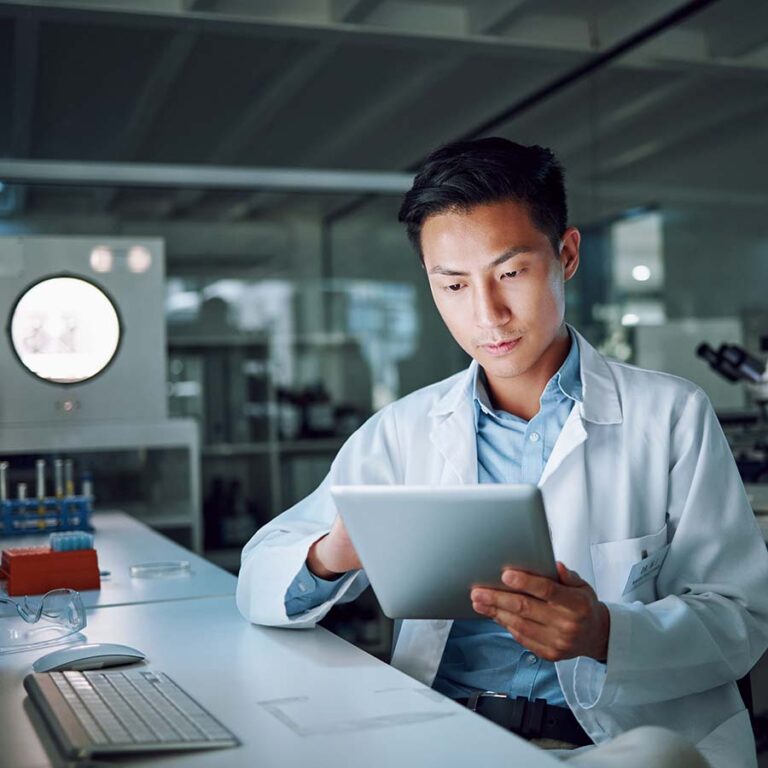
x: 612, y: 562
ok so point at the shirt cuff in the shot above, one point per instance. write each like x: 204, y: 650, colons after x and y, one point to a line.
x: 308, y: 591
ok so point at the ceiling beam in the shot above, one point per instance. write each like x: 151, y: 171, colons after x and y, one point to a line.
x: 612, y: 55
x: 152, y: 99
x: 593, y: 64
x: 493, y: 16
x: 621, y: 19
x: 643, y: 144
x: 201, y: 176
x: 353, y: 11
x: 259, y: 112
x: 384, y: 106
x: 169, y: 13
x: 615, y: 117
x: 382, y: 110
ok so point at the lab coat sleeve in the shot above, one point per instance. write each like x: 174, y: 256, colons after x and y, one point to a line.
x: 710, y: 625
x: 277, y: 551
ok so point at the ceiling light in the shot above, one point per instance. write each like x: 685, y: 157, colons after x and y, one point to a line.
x: 630, y: 319
x: 139, y: 259
x: 101, y: 259
x: 641, y: 273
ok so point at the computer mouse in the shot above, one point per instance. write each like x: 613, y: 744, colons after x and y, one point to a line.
x: 88, y: 656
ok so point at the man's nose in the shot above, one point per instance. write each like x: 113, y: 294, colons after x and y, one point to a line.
x: 490, y: 310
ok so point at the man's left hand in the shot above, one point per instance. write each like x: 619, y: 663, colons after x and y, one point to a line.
x: 556, y: 620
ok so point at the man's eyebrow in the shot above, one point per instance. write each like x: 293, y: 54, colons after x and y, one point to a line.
x: 506, y: 256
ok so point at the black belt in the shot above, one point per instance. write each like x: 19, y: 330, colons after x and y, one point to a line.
x: 529, y: 719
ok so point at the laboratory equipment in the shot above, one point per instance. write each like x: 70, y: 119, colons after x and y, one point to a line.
x: 88, y: 656
x: 83, y: 345
x: 33, y: 570
x: 58, y: 478
x: 747, y: 433
x: 121, y: 712
x: 43, y: 514
x: 734, y: 363
x: 40, y: 621
x: 161, y: 570
x: 83, y: 355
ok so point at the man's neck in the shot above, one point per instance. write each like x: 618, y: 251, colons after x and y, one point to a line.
x: 521, y: 395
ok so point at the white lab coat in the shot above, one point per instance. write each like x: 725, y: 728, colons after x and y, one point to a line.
x: 641, y: 462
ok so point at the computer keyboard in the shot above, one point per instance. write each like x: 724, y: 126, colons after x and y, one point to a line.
x: 113, y: 712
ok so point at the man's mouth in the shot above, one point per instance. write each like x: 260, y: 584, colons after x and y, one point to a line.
x: 501, y: 347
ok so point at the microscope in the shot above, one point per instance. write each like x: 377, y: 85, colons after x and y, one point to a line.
x: 747, y: 433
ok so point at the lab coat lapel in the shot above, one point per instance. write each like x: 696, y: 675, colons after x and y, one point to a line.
x: 453, y: 432
x: 600, y: 405
x: 572, y: 435
x: 565, y: 481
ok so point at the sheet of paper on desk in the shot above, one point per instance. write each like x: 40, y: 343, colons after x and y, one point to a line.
x: 309, y: 716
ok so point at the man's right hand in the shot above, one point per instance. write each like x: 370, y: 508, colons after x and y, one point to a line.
x: 334, y: 554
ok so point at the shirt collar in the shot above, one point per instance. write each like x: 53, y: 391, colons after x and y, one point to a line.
x: 565, y: 383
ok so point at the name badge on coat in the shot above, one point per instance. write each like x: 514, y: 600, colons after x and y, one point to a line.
x: 645, y: 570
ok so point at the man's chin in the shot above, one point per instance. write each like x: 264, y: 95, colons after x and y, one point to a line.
x: 502, y: 368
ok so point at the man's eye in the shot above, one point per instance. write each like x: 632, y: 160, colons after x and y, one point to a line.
x: 455, y: 287
x: 513, y: 273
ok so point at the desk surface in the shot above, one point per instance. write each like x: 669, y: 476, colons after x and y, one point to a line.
x: 293, y: 697
x: 122, y: 541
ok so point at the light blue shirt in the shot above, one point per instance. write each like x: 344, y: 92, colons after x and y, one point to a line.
x: 479, y: 654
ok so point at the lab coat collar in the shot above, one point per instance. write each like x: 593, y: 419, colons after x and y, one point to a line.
x: 600, y: 404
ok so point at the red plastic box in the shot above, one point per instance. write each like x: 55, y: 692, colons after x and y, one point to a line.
x: 35, y: 570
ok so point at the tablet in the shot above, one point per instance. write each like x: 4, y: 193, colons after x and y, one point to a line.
x: 424, y: 548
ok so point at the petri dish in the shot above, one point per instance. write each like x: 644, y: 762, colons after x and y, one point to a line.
x: 165, y: 569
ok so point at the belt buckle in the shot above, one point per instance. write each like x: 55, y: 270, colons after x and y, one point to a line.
x: 474, y: 700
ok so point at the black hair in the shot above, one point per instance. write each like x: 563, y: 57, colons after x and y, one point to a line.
x: 465, y: 174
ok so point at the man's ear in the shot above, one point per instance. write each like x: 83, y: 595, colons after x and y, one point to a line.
x: 569, y: 252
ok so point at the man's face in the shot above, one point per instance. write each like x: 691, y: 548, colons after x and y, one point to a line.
x: 498, y: 284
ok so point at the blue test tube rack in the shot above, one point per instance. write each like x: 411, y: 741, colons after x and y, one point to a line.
x: 22, y: 517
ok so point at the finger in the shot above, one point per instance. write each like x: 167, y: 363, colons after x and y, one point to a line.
x: 538, y: 638
x: 516, y: 604
x: 531, y: 584
x: 568, y: 577
x: 542, y: 649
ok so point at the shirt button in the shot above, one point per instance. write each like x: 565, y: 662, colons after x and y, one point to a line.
x: 302, y: 587
x: 530, y: 659
x: 534, y: 438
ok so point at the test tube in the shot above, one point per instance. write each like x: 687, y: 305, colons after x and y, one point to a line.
x: 3, y: 481
x: 87, y: 484
x: 58, y: 475
x: 69, y: 477
x: 40, y: 465
x: 21, y: 491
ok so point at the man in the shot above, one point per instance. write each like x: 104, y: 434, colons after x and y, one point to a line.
x: 632, y: 465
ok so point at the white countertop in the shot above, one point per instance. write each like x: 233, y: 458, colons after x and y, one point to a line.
x: 293, y: 697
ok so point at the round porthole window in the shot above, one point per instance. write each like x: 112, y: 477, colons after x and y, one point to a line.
x: 65, y: 330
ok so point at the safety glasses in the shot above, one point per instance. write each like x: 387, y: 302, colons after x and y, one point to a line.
x: 40, y: 620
